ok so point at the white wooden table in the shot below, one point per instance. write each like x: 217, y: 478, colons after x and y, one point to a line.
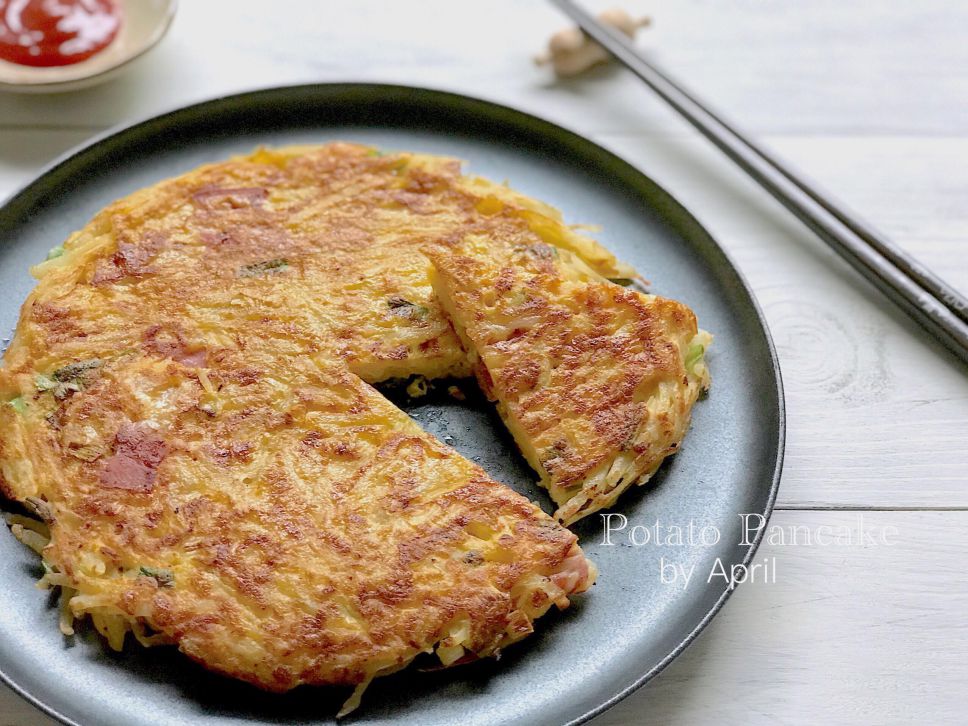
x: 868, y: 98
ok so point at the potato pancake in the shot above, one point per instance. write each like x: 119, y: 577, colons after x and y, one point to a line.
x: 186, y: 406
x: 596, y: 382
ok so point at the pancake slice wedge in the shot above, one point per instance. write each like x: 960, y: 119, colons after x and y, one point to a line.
x: 595, y: 381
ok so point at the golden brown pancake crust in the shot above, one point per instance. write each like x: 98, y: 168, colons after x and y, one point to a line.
x: 184, y: 400
x: 595, y: 381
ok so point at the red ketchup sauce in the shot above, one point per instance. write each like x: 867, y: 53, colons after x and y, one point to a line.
x: 56, y: 32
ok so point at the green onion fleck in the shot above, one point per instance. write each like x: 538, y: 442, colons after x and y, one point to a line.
x: 264, y: 268
x: 694, y: 355
x: 163, y: 577
x: 45, y: 383
x: 77, y: 371
x: 55, y: 252
x: 404, y: 308
x: 68, y: 379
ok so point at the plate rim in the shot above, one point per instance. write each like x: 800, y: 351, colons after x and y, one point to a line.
x: 548, y: 126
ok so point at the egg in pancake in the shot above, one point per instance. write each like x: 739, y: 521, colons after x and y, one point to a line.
x: 596, y: 382
x: 261, y: 507
x: 188, y: 407
x: 186, y: 403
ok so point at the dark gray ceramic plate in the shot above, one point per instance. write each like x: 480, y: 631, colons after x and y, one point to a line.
x: 581, y: 661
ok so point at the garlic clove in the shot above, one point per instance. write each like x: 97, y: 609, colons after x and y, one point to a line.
x: 571, y: 52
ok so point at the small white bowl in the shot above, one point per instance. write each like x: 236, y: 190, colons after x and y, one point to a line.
x: 143, y: 24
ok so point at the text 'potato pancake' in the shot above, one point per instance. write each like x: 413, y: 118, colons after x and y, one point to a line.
x: 187, y: 410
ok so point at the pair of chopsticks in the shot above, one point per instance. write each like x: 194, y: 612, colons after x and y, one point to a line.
x: 936, y: 306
